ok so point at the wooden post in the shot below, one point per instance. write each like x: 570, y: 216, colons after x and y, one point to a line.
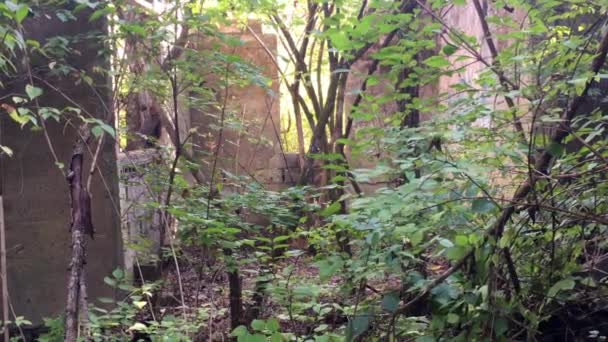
x: 3, y: 273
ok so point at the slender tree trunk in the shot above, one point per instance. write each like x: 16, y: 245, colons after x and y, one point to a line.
x: 300, y: 133
x: 81, y: 225
x: 235, y: 292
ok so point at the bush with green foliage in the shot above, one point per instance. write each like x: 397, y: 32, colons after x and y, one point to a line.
x: 487, y: 221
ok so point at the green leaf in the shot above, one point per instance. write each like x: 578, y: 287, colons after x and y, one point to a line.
x: 321, y: 328
x: 118, y: 273
x: 97, y: 131
x: 108, y: 129
x: 126, y: 287
x: 303, y: 291
x: 106, y: 300
x: 19, y: 320
x: 446, y: 243
x: 109, y: 281
x: 276, y: 337
x: 456, y: 252
x: 21, y: 13
x: 18, y: 99
x: 564, y: 284
x: 482, y: 205
x: 500, y: 326
x: 444, y: 293
x: 453, y: 318
x: 280, y: 238
x: 32, y: 91
x: 138, y: 327
x: 461, y: 240
x: 258, y: 325
x: 101, y: 12
x: 417, y: 237
x: 20, y: 119
x: 329, y: 267
x: 437, y: 62
x: 390, y: 302
x: 49, y: 112
x: 136, y: 29
x: 556, y: 150
x: 588, y: 281
x: 273, y: 325
x: 102, y: 127
x: 139, y: 304
x: 255, y: 338
x: 241, y: 330
x: 339, y: 40
x: 449, y: 49
x: 357, y: 326
x: 331, y: 209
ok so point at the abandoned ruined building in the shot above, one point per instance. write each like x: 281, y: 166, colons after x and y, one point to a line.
x: 36, y: 200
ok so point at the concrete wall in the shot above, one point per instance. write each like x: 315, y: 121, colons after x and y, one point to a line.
x: 247, y: 150
x: 141, y: 226
x: 251, y: 150
x: 36, y: 197
x: 464, y: 18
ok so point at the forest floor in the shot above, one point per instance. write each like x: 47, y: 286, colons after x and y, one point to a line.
x: 205, y: 291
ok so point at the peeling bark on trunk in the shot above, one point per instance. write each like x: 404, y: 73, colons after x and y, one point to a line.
x: 81, y: 225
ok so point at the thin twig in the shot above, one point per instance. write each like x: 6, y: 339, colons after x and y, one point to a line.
x: 94, y: 162
x: 45, y: 131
